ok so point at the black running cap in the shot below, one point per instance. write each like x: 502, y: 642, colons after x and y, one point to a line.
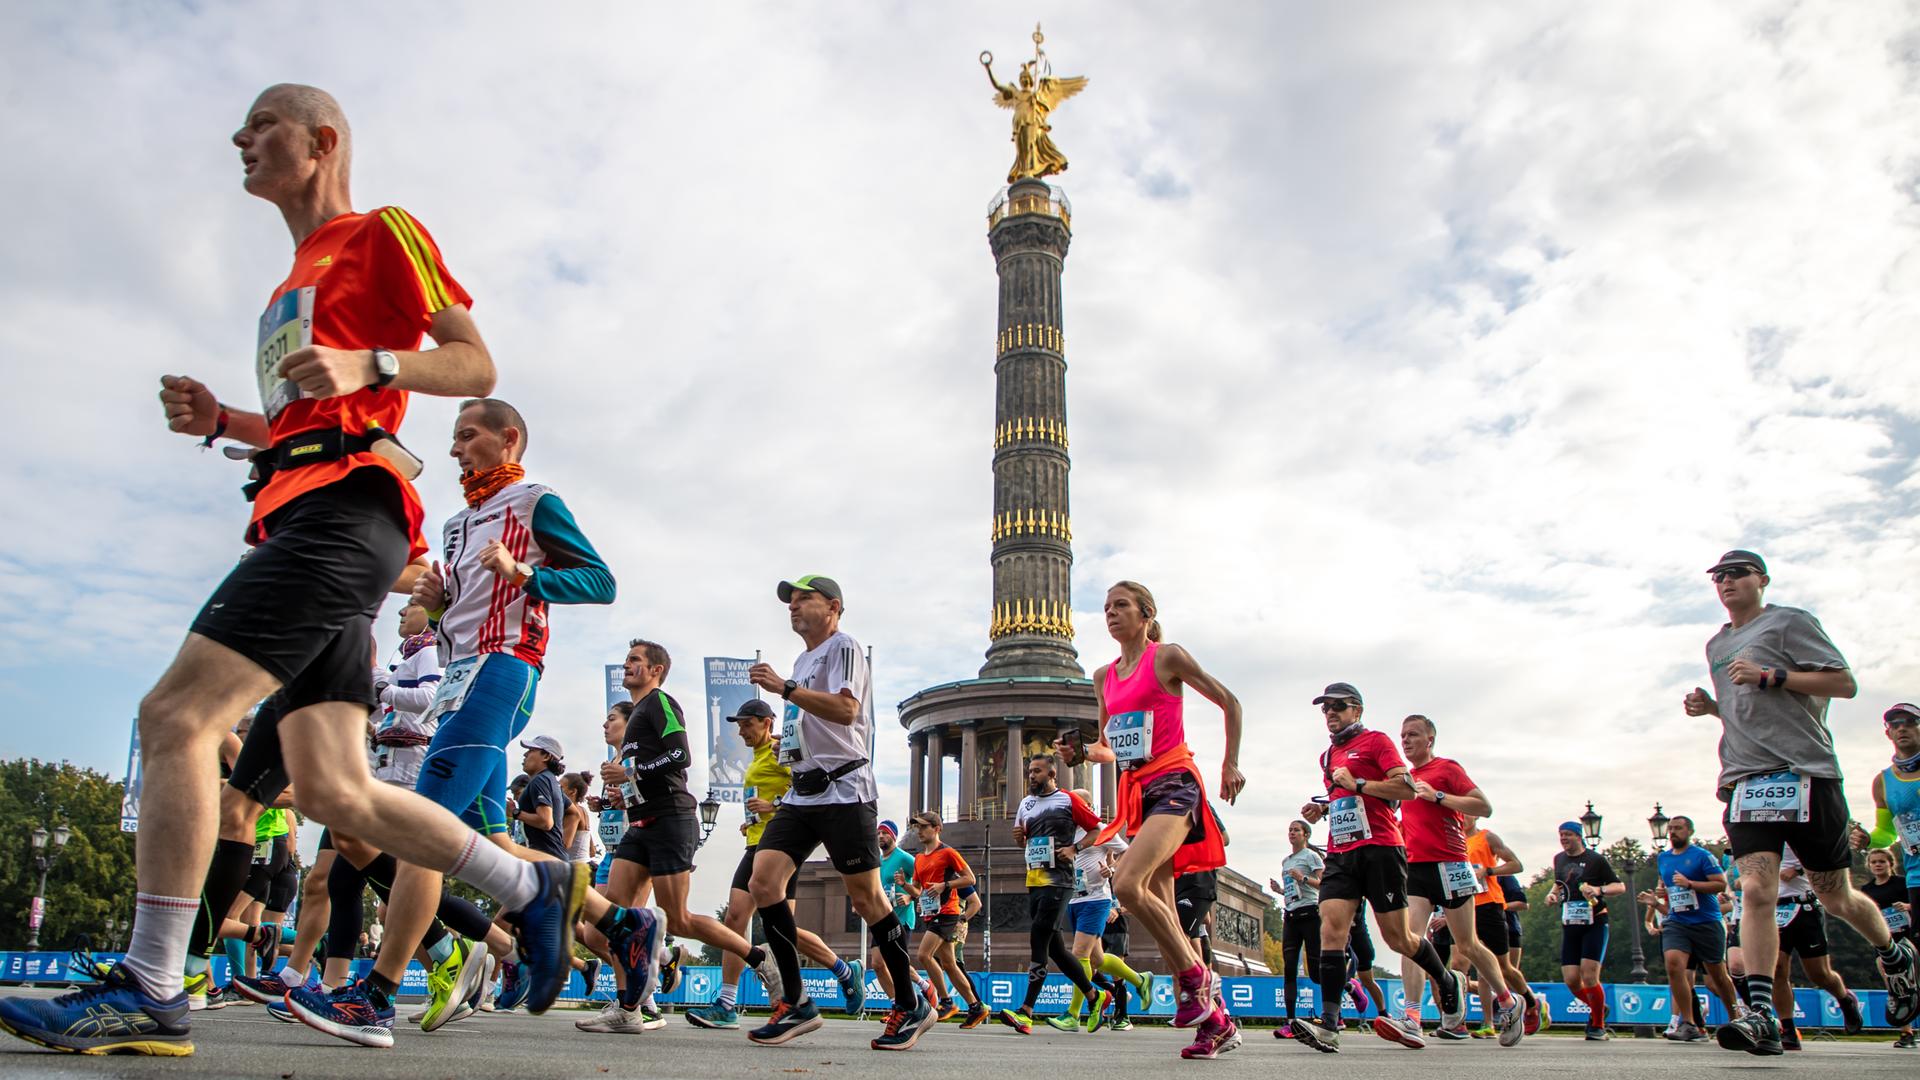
x: 1335, y: 691
x: 825, y: 586
x: 1902, y: 711
x: 753, y: 709
x: 1739, y: 558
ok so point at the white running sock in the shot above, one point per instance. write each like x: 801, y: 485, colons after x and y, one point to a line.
x: 162, y: 925
x: 507, y: 878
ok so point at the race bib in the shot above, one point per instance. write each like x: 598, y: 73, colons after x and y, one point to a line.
x: 1039, y: 852
x: 1458, y: 879
x: 453, y: 689
x: 1290, y: 890
x: 1576, y: 913
x: 263, y: 850
x: 791, y: 752
x: 613, y: 825
x: 1081, y: 886
x: 286, y: 325
x: 1780, y: 796
x: 1347, y: 820
x: 1681, y: 900
x: 747, y: 795
x: 1784, y: 912
x: 1131, y: 736
x: 1897, y: 921
x: 1737, y: 905
x: 930, y: 903
x: 1907, y: 824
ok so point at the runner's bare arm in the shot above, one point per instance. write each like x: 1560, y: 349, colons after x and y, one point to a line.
x: 1473, y: 804
x: 408, y: 575
x: 459, y: 367
x: 192, y: 409
x: 1395, y: 786
x: 1509, y: 862
x: 1175, y: 665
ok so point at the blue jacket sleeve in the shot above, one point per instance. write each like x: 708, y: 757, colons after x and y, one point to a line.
x: 574, y: 572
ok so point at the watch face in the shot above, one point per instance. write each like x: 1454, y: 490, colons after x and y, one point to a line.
x: 386, y: 363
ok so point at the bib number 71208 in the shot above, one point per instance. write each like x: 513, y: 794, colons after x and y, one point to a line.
x: 1130, y: 734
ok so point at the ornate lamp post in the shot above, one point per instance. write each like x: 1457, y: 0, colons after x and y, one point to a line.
x: 1590, y: 824
x: 1658, y: 825
x: 43, y: 858
x: 709, y: 814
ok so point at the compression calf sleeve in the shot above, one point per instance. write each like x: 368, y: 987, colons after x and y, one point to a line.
x: 1428, y: 957
x: 783, y: 940
x: 1333, y: 985
x: 226, y: 876
x: 891, y: 939
x: 345, y: 883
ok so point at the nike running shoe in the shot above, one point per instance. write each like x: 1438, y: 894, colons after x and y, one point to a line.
x: 614, y: 1020
x: 789, y: 1022
x: 118, y: 1016
x: 1195, y: 997
x: 1758, y: 1033
x: 1510, y: 1020
x: 1451, y: 996
x: 904, y: 1027
x: 716, y: 1016
x: 442, y: 982
x: 198, y: 985
x: 347, y: 1013
x: 1321, y: 1037
x: 546, y: 929
x: 854, y: 987
x: 1218, y: 1034
x: 1903, y: 985
x: 1015, y: 1019
x: 636, y: 947
x: 1097, y: 1016
x: 1404, y: 1030
x: 1059, y: 1022
x: 264, y: 989
x: 976, y: 1015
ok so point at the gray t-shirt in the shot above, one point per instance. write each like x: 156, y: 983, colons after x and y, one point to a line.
x: 1763, y: 731
x: 1299, y: 894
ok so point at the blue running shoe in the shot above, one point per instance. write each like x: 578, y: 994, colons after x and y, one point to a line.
x: 635, y: 944
x: 514, y: 987
x: 854, y: 986
x: 716, y: 1015
x: 279, y: 1011
x: 347, y: 1013
x: 265, y: 989
x: 546, y: 930
x: 116, y: 1017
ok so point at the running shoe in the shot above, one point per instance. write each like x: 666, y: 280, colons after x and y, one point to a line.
x: 1451, y: 996
x: 477, y: 1000
x: 636, y: 948
x: 904, y: 1027
x: 546, y: 930
x: 118, y: 1016
x: 670, y: 971
x: 1144, y: 988
x: 443, y: 984
x: 83, y: 963
x: 1120, y: 1023
x: 470, y: 985
x: 1536, y: 1016
x: 1598, y: 1033
x: 1218, y: 1034
x: 589, y: 976
x: 1358, y: 992
x: 265, y: 989
x: 854, y: 987
x: 789, y: 1022
x: 1400, y: 1029
x: 198, y: 984
x: 717, y: 1016
x: 1756, y: 1033
x: 279, y: 1011
x: 1195, y: 999
x: 1320, y: 1037
x: 1060, y: 1022
x: 976, y: 1015
x: 1904, y: 1042
x: 1456, y: 1033
x: 1850, y: 1014
x: 768, y: 972
x: 1285, y: 1030
x: 264, y: 940
x: 225, y: 996
x: 614, y: 1020
x: 1903, y: 985
x: 948, y: 1010
x: 1097, y: 1018
x: 650, y: 1017
x: 1510, y: 1020
x: 1691, y: 1034
x: 347, y: 1013
x: 1015, y: 1019
x: 514, y: 988
x: 1789, y: 1040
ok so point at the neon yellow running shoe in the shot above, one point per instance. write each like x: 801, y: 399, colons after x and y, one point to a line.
x: 440, y: 985
x: 197, y: 987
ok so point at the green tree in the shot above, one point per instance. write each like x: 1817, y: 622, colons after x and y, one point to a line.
x: 90, y: 886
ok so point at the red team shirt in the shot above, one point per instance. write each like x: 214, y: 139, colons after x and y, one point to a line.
x: 1435, y: 833
x: 1368, y: 756
x: 376, y: 281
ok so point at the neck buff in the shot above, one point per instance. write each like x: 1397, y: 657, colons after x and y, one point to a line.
x: 484, y: 485
x: 1348, y: 733
x: 1907, y: 764
x: 417, y: 642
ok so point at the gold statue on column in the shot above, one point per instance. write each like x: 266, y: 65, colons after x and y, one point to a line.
x: 1036, y: 96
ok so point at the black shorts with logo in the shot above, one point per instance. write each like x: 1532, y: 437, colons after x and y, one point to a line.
x: 302, y: 604
x: 1490, y: 926
x: 662, y: 845
x: 743, y: 876
x: 1376, y: 873
x: 846, y: 829
x: 945, y: 927
x: 1806, y: 935
x: 1175, y: 793
x: 1820, y: 841
x: 1423, y: 880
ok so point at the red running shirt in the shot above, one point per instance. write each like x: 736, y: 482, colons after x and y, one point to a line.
x: 1368, y: 755
x: 1435, y: 833
x: 932, y: 869
x: 361, y: 281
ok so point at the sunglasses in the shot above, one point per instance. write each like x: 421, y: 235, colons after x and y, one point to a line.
x: 1732, y: 573
x: 1335, y: 707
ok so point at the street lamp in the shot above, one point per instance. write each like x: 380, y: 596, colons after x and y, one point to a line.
x: 43, y: 858
x: 1590, y: 824
x: 1658, y: 825
x: 1631, y: 858
x: 709, y: 814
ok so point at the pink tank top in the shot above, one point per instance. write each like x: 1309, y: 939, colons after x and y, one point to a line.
x: 1141, y: 693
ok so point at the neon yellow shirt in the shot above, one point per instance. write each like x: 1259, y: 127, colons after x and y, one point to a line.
x: 766, y: 779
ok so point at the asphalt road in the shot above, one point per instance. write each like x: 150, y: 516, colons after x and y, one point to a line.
x: 244, y: 1042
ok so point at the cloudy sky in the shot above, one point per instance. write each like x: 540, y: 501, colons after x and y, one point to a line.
x: 1433, y: 347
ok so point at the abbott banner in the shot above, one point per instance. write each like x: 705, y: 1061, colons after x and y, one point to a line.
x: 727, y: 756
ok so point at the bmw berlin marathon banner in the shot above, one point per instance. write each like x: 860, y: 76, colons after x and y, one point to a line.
x: 130, y: 798
x: 727, y: 757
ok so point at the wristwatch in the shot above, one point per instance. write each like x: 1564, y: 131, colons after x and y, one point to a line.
x: 385, y: 366
x: 1438, y: 796
x: 522, y: 573
x: 1359, y: 786
x: 786, y: 692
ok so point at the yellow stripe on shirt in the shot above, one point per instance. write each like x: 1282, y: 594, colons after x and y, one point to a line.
x: 420, y: 256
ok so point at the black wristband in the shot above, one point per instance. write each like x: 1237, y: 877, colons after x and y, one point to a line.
x: 1779, y: 678
x: 786, y: 692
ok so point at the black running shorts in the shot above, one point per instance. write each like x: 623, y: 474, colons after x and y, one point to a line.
x: 847, y: 830
x: 661, y: 846
x: 1820, y: 841
x: 1375, y: 873
x: 1423, y: 880
x: 302, y: 604
x: 259, y: 772
x: 1490, y: 926
x: 743, y: 876
x: 1806, y: 935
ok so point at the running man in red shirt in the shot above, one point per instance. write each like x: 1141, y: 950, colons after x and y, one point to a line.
x: 939, y: 873
x: 334, y: 524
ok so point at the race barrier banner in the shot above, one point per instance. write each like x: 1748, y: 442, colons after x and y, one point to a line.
x: 1256, y: 997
